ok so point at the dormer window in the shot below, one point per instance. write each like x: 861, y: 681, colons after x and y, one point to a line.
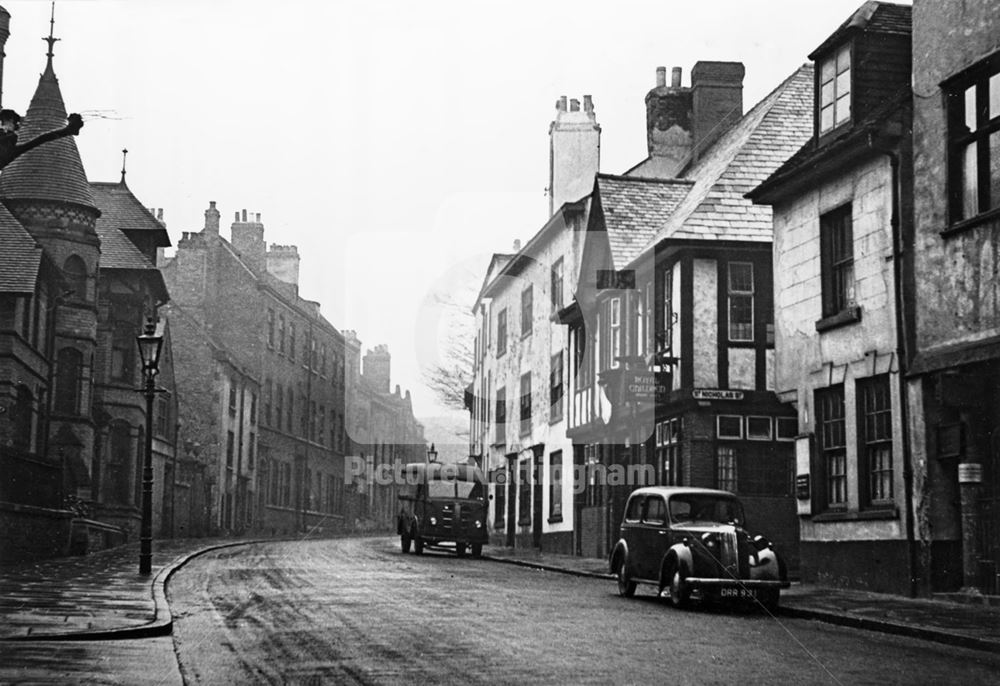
x: 835, y: 90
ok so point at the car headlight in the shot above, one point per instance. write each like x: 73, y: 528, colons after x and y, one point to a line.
x: 708, y: 540
x: 434, y: 521
x: 479, y: 524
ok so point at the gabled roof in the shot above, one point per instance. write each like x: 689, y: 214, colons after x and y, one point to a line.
x: 497, y: 263
x: 52, y: 171
x: 118, y: 252
x: 871, y: 17
x: 770, y: 133
x: 20, y: 258
x: 122, y: 210
x: 634, y: 208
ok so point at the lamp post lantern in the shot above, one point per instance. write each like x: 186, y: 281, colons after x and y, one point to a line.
x: 150, y: 343
x: 432, y: 454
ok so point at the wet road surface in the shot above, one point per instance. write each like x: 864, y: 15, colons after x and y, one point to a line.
x: 359, y: 611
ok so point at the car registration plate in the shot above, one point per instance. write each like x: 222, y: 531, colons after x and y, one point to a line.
x: 737, y: 593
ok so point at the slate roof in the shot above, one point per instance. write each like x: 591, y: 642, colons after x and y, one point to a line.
x: 874, y: 17
x: 20, y: 258
x: 634, y: 208
x: 118, y: 252
x: 770, y: 133
x: 52, y: 171
x: 809, y: 156
x: 122, y: 210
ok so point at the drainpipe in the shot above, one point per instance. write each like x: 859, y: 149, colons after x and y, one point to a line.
x: 902, y: 355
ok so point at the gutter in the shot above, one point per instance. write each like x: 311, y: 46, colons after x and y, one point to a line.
x: 902, y: 354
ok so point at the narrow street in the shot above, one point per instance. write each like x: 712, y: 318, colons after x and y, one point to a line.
x: 358, y: 611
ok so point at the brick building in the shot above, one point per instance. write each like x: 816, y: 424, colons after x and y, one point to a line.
x: 842, y: 215
x: 78, y: 280
x: 382, y: 433
x: 268, y: 388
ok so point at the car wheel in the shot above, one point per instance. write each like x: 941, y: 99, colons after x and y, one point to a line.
x: 680, y: 594
x: 770, y: 599
x: 477, y: 550
x: 626, y: 587
x: 418, y: 544
x: 460, y: 549
x: 404, y: 542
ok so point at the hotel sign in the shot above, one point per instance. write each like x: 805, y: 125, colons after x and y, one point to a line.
x: 716, y: 394
x: 644, y: 386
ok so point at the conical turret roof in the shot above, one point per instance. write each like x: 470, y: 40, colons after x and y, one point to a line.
x: 52, y: 171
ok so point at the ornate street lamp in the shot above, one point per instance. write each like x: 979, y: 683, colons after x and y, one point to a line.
x: 150, y: 343
x: 432, y: 454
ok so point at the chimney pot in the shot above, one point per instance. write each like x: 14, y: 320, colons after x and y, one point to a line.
x: 562, y: 104
x: 211, y: 204
x: 517, y: 245
x: 258, y: 217
x: 574, y: 105
x: 237, y: 217
x: 159, y: 214
x: 675, y: 77
x: 661, y: 77
x: 244, y: 215
x: 588, y: 104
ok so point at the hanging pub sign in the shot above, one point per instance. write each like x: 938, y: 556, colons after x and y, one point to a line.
x: 644, y: 386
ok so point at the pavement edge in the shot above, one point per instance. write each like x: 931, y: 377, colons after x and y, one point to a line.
x: 840, y: 619
x: 162, y: 623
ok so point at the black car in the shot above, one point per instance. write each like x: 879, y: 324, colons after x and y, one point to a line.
x: 694, y: 543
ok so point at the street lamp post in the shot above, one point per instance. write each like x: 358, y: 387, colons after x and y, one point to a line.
x: 150, y: 343
x: 432, y: 454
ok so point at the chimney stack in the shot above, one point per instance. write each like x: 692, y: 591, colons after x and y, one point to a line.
x: 212, y: 219
x: 248, y: 241
x: 717, y: 101
x: 574, y: 152
x: 668, y: 125
x: 283, y: 263
x: 375, y: 367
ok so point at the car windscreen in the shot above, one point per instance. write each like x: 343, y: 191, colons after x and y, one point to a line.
x: 455, y: 488
x: 706, y: 508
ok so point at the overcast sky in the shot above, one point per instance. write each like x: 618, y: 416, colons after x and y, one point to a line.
x: 397, y: 144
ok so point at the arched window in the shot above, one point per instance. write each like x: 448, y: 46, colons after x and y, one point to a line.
x: 117, y: 475
x: 69, y: 368
x: 23, y: 412
x: 75, y: 271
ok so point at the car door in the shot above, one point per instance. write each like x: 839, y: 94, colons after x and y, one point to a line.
x: 657, y: 535
x: 631, y: 532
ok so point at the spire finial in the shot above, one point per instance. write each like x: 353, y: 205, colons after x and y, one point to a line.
x: 51, y: 39
x: 124, y: 153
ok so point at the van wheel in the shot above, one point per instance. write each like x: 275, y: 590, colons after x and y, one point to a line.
x: 404, y: 542
x: 477, y: 550
x: 418, y: 544
x: 460, y: 549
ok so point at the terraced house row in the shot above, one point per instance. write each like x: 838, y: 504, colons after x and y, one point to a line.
x: 795, y: 302
x: 260, y: 398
